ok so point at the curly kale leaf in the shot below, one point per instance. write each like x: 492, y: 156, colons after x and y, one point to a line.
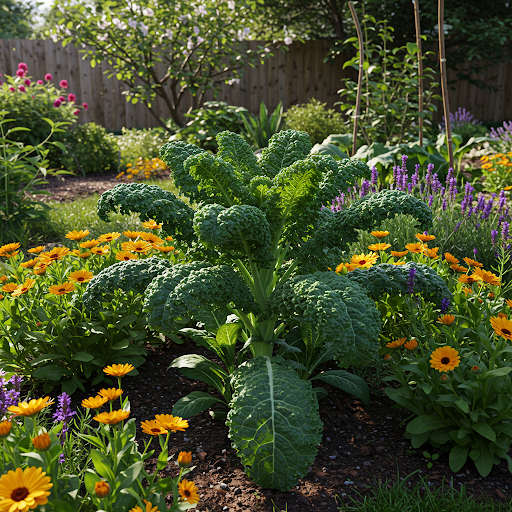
x: 284, y: 148
x: 196, y: 290
x: 393, y: 279
x: 151, y: 202
x: 339, y: 314
x: 228, y: 228
x: 236, y: 152
x: 273, y: 422
x: 128, y: 275
x: 174, y: 155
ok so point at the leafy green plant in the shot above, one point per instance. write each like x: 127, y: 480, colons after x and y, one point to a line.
x: 264, y: 244
x: 89, y: 150
x: 259, y: 130
x: 314, y: 119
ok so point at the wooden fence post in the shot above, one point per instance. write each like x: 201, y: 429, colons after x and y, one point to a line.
x: 420, y: 68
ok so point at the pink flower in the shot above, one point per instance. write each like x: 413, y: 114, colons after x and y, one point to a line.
x: 48, y: 76
x: 85, y: 105
x: 76, y: 112
x: 57, y: 103
x: 71, y: 97
x: 40, y: 82
x: 62, y: 99
x: 63, y: 84
x: 22, y: 88
x: 1, y: 82
x: 23, y: 66
x: 27, y: 82
x: 20, y: 73
x: 12, y: 89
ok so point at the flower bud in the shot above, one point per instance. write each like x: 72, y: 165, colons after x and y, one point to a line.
x: 387, y: 357
x: 101, y: 489
x: 445, y: 378
x: 42, y: 442
x: 5, y: 428
x: 184, y: 459
x: 476, y: 370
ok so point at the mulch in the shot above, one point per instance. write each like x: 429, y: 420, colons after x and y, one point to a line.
x: 361, y: 447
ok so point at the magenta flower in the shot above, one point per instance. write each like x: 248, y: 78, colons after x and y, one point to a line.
x: 22, y: 88
x: 23, y: 66
x: 62, y: 99
x: 85, y: 105
x: 57, y: 103
x: 76, y: 112
x: 71, y: 97
x: 20, y: 73
x: 48, y: 76
x: 12, y: 89
x: 27, y: 82
x: 63, y: 84
x: 40, y: 82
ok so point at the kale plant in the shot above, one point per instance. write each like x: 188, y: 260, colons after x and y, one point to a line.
x: 259, y: 246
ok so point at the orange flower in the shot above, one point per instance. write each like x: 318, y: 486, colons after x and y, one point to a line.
x: 112, y: 418
x: 458, y: 268
x: 153, y: 428
x: 399, y: 254
x: 509, y: 303
x: 94, y: 402
x: 446, y: 319
x: 111, y: 393
x: 23, y: 288
x: 77, y: 235
x: 132, y: 234
x: 40, y: 269
x: 42, y: 442
x: 118, y: 370
x: 164, y: 249
x: 84, y: 255
x: 364, y: 260
x: 89, y: 244
x: 101, y: 489
x: 502, y: 315
x: 151, y: 224
x: 486, y: 277
x: 473, y: 278
x: 411, y: 345
x: 417, y: 248
x: 55, y: 254
x: 424, y: 238
x: 30, y: 263
x: 472, y: 263
x: 467, y: 291
x: 10, y: 248
x: 170, y: 422
x: 61, y: 289
x: 81, y: 276
x: 380, y: 234
x: 396, y: 343
x: 125, y: 256
x: 151, y: 237
x: 169, y: 238
x: 140, y: 246
x: 399, y: 263
x: 100, y: 251
x: 450, y: 259
x: 184, y: 459
x: 109, y: 237
x: 36, y: 250
x: 379, y: 247
x: 432, y: 253
x: 387, y: 357
x: 3, y: 279
x: 9, y: 287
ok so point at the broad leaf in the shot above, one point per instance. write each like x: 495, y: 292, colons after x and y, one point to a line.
x: 193, y: 404
x: 347, y: 382
x: 425, y: 423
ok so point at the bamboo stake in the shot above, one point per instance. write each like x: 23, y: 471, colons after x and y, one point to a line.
x: 360, y: 76
x: 420, y: 68
x: 444, y: 81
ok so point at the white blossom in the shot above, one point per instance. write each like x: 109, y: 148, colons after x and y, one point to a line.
x: 202, y: 10
x: 231, y: 4
x: 121, y: 25
x: 288, y: 40
x: 232, y: 81
x: 143, y: 29
x: 148, y: 11
x: 132, y: 23
x: 196, y: 30
x: 169, y: 33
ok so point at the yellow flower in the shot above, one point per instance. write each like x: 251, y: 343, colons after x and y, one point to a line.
x: 151, y: 237
x: 151, y: 224
x: 5, y: 428
x: 84, y: 255
x: 94, y: 402
x: 432, y: 253
x: 89, y: 244
x: 472, y: 263
x: 473, y: 278
x: 379, y: 247
x: 77, y: 235
x: 101, y: 489
x: 42, y: 442
x: 23, y: 490
x: 164, y: 249
x: 364, y: 260
x: 380, y: 234
x: 169, y: 238
x: 153, y: 428
x: 137, y: 246
x: 399, y: 254
x: 184, y: 459
x: 9, y: 254
x: 396, y: 343
x: 444, y: 359
x: 132, y: 234
x: 467, y: 291
x: 36, y: 250
x: 30, y: 263
x: 40, y: 269
x: 502, y: 327
x: 458, y: 268
x: 81, y: 276
x: 509, y: 303
x: 484, y: 158
x: 424, y: 238
x: 23, y: 288
x: 446, y: 319
x: 3, y: 279
x: 119, y: 370
x: 9, y: 287
x: 486, y: 166
x: 125, y: 256
x: 417, y: 248
x: 450, y: 259
x: 399, y: 263
x: 61, y: 289
x: 188, y: 491
x: 109, y: 237
x: 110, y: 393
x: 1, y: 296
x: 486, y: 277
x: 411, y: 345
x: 149, y: 508
x: 170, y: 422
x: 55, y: 254
x: 113, y: 417
x: 9, y: 248
x: 100, y: 251
x: 30, y: 408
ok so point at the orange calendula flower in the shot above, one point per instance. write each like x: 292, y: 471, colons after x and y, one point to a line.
x: 467, y: 291
x: 89, y: 243
x: 100, y: 251
x: 111, y: 393
x: 411, y: 345
x: 132, y: 234
x: 184, y: 459
x: 40, y: 269
x: 396, y: 343
x: 42, y: 442
x: 5, y: 428
x: 101, y: 489
x: 399, y: 254
x: 445, y: 359
x: 1, y: 296
x: 169, y: 238
x: 9, y: 254
x: 30, y: 408
x: 486, y: 276
x: 432, y: 253
x: 3, y: 279
x: 61, y: 289
x: 109, y: 237
x: 502, y: 315
x: 170, y: 422
x: 153, y: 428
x: 164, y: 249
x: 57, y: 253
x: 148, y: 508
x: 84, y: 255
x: 473, y: 278
x: 424, y: 238
x: 446, y: 319
x: 379, y: 247
x: 472, y: 263
x: 118, y: 370
x: 380, y: 234
x: 459, y: 268
x: 9, y: 287
x: 364, y: 260
x: 417, y: 248
x: 387, y: 357
x: 125, y: 256
x: 30, y: 263
x: 94, y: 402
x: 10, y: 248
x: 36, y: 250
x: 502, y: 327
x: 486, y: 166
x: 112, y: 417
x: 450, y: 259
x: 77, y: 235
x: 188, y: 491
x: 151, y: 237
x: 80, y: 276
x: 23, y: 288
x: 151, y: 224
x: 509, y: 303
x: 139, y: 246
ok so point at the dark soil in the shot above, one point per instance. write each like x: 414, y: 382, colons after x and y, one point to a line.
x: 360, y: 448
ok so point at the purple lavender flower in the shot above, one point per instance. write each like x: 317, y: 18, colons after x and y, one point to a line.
x: 410, y: 280
x: 502, y: 201
x: 449, y: 176
x: 430, y: 200
x: 505, y: 230
x: 9, y: 393
x: 444, y: 205
x: 63, y: 414
x: 428, y: 176
x: 503, y: 134
x: 445, y: 305
x: 415, y: 178
x: 475, y: 251
x: 494, y: 234
x: 457, y: 226
x: 487, y: 209
x: 365, y: 187
x: 375, y: 176
x: 409, y: 187
x: 462, y: 117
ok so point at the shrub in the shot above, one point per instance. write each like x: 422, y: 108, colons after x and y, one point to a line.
x: 315, y: 119
x: 463, y: 123
x: 144, y: 170
x: 89, y: 150
x: 497, y: 171
x: 135, y: 144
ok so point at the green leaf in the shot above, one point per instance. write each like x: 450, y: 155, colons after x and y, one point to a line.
x: 90, y: 479
x: 498, y: 372
x: 102, y: 465
x: 424, y: 423
x: 462, y: 405
x: 347, y: 382
x: 484, y: 430
x: 129, y: 475
x: 418, y: 439
x: 193, y: 404
x: 82, y: 356
x: 195, y: 366
x: 485, y: 462
x: 458, y: 457
x: 51, y: 372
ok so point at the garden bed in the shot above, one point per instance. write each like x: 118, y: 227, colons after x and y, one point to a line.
x: 360, y: 447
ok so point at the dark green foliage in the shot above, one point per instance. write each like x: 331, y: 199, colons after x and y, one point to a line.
x: 392, y: 279
x: 259, y: 130
x: 239, y: 154
x: 16, y: 19
x: 131, y: 275
x: 152, y: 203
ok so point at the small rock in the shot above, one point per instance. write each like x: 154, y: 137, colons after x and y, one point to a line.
x: 223, y: 486
x: 237, y: 491
x: 328, y: 439
x: 201, y: 456
x: 332, y: 457
x: 367, y: 463
x: 389, y: 418
x: 380, y: 449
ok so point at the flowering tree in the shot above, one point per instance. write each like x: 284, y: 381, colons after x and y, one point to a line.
x: 167, y: 49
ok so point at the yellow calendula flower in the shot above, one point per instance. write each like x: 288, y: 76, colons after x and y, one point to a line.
x: 473, y: 278
x: 36, y: 250
x: 111, y: 393
x: 153, y: 428
x: 502, y: 327
x: 61, y: 289
x: 424, y: 238
x: 132, y: 234
x: 397, y: 343
x: 486, y: 277
x: 399, y: 254
x: 364, y: 260
x: 509, y: 303
x: 77, y: 235
x: 101, y: 489
x: 109, y: 237
x: 151, y: 238
x: 100, y: 251
x: 3, y: 279
x: 417, y: 248
x: 164, y: 249
x: 459, y: 268
x: 399, y: 263
x: 5, y: 428
x: 450, y: 259
x: 57, y: 253
x: 30, y: 408
x: 379, y: 247
x: 94, y: 402
x: 9, y: 287
x: 23, y: 288
x: 139, y: 246
x: 170, y: 422
x: 151, y: 224
x: 112, y: 417
x: 125, y: 256
x: 169, y: 238
x: 147, y: 508
x: 446, y: 319
x: 472, y: 263
x: 486, y: 166
x: 80, y: 276
x: 89, y: 244
x: 42, y: 442
x: 40, y: 269
x: 184, y: 459
x: 24, y: 490
x: 10, y: 248
x: 188, y: 491
x: 84, y: 255
x: 445, y: 359
x: 118, y: 370
x: 432, y: 253
x: 380, y: 234
x: 30, y: 263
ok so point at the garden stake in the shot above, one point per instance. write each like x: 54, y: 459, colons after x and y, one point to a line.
x: 359, y: 78
x: 444, y: 82
x: 420, y: 68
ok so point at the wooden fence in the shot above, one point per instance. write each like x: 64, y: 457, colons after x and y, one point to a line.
x: 291, y: 77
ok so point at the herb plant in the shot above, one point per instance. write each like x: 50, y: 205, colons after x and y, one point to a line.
x: 259, y: 130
